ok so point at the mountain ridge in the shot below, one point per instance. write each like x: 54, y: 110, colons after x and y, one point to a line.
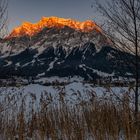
x: 63, y: 52
x: 31, y: 29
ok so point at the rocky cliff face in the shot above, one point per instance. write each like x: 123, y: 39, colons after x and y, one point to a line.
x: 31, y: 29
x: 68, y: 50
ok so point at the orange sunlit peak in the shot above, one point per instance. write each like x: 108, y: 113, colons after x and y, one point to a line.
x: 31, y: 29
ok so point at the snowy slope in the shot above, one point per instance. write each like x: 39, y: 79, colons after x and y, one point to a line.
x: 63, y: 52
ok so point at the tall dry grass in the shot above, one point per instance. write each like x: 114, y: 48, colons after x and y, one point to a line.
x: 97, y: 119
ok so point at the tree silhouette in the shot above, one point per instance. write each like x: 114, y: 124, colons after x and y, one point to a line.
x: 122, y: 26
x: 3, y: 17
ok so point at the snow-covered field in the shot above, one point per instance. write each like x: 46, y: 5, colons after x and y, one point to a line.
x: 73, y: 93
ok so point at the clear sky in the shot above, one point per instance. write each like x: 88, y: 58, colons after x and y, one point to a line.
x: 32, y: 10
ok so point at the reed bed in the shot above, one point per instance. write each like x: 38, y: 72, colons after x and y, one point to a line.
x: 97, y: 119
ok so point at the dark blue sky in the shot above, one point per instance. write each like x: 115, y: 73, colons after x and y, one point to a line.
x: 33, y: 10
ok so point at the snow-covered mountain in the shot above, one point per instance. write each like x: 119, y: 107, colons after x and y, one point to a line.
x: 63, y: 48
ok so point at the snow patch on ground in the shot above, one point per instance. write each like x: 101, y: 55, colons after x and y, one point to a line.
x: 100, y: 73
x: 8, y: 63
x: 51, y: 65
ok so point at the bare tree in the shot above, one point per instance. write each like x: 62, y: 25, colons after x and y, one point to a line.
x: 3, y: 16
x: 123, y: 28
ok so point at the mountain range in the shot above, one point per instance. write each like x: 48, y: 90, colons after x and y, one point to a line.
x: 64, y: 48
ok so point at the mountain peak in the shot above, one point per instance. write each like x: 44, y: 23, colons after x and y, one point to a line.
x: 31, y: 29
